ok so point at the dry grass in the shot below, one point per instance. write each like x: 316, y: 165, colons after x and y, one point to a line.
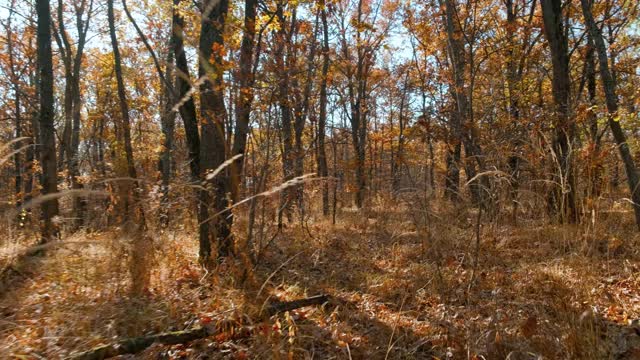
x: 399, y: 283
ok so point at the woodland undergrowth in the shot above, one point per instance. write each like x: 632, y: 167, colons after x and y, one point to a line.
x: 402, y: 286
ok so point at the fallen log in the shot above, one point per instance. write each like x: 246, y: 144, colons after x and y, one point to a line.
x: 135, y: 345
x: 280, y: 307
x: 138, y: 344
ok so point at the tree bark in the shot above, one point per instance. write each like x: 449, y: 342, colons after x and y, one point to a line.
x: 49, y: 178
x: 399, y: 159
x: 463, y: 126
x: 167, y: 123
x: 563, y: 201
x: 595, y: 166
x: 17, y: 158
x: 33, y: 152
x: 513, y: 79
x: 122, y: 97
x: 245, y: 97
x: 216, y: 227
x: 185, y: 103
x: 283, y: 65
x: 300, y: 118
x: 358, y: 95
x: 187, y: 109
x: 452, y: 178
x: 456, y: 54
x: 73, y: 63
x: 323, y: 170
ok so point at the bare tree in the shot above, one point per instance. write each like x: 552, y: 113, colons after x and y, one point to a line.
x: 70, y: 142
x: 608, y: 85
x: 135, y: 208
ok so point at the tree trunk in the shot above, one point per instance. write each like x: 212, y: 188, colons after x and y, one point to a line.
x: 137, y: 211
x: 167, y: 122
x: 33, y: 152
x: 65, y: 139
x: 187, y: 108
x: 283, y: 64
x: 138, y: 265
x: 245, y: 96
x: 563, y: 200
x: 216, y: 227
x: 80, y: 202
x: 463, y: 126
x: 359, y: 139
x: 17, y: 158
x: 457, y: 60
x: 167, y: 115
x: 397, y: 175
x: 595, y: 166
x: 608, y: 84
x: 323, y: 170
x: 513, y: 79
x: 49, y: 178
x: 300, y: 118
x: 70, y: 142
x: 185, y: 102
x: 452, y: 179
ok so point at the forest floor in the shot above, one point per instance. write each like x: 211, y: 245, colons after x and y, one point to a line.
x: 399, y: 289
